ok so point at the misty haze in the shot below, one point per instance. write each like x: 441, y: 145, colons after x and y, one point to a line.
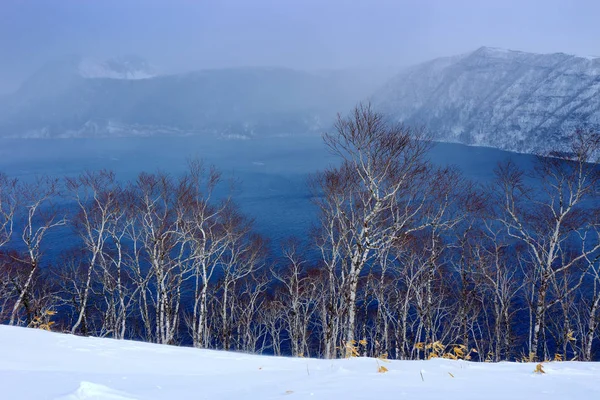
x: 346, y: 199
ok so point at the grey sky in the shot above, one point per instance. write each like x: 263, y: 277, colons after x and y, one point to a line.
x: 181, y: 35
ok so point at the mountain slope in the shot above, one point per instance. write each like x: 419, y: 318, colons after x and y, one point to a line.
x: 42, y: 365
x: 76, y: 98
x: 492, y: 97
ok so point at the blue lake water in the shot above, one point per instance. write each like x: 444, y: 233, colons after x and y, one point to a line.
x: 271, y: 173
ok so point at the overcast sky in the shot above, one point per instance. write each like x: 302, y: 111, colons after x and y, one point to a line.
x: 178, y: 35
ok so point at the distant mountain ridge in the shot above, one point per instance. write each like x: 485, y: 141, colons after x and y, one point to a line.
x: 506, y: 99
x: 499, y: 98
x: 74, y: 97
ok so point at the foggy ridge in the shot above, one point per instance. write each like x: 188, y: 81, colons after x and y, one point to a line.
x: 74, y: 97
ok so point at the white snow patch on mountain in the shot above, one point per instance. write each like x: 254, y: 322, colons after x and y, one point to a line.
x: 39, y: 365
x: 117, y: 68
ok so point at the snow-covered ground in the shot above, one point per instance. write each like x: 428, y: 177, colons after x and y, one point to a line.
x: 40, y: 365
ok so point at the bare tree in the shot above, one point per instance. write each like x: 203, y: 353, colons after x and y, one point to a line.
x: 244, y: 255
x: 95, y: 195
x: 297, y: 289
x: 550, y: 215
x: 207, y: 239
x: 40, y: 217
x: 159, y: 214
x: 247, y: 309
x: 591, y: 330
x: 118, y: 268
x: 500, y: 279
x: 8, y: 206
x: 369, y: 199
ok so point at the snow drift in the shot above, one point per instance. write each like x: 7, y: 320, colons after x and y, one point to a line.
x: 39, y: 365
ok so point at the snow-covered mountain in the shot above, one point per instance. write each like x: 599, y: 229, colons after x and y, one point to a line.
x: 75, y: 97
x: 501, y: 98
x: 41, y: 365
x: 491, y: 97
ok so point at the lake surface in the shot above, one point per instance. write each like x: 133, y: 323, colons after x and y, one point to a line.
x: 271, y: 173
